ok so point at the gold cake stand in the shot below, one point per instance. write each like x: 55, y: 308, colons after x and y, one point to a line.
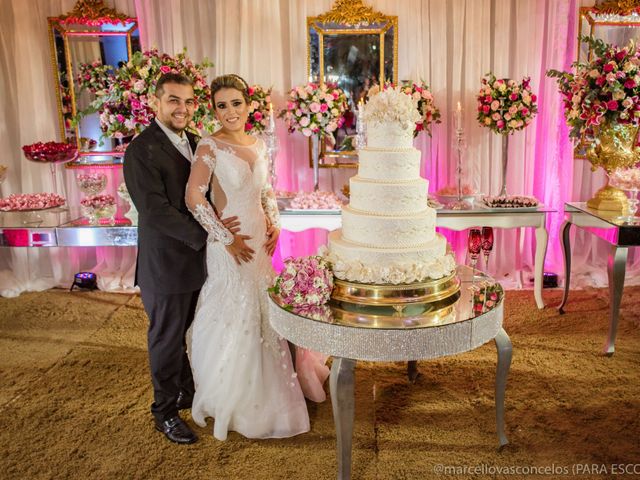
x: 396, y: 296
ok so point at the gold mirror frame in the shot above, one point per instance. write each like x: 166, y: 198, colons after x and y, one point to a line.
x: 611, y: 15
x: 85, y: 20
x: 348, y: 17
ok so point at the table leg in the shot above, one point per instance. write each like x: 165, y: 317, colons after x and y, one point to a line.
x: 342, y: 388
x: 616, y: 266
x: 412, y: 370
x: 566, y: 253
x: 503, y: 345
x: 541, y: 251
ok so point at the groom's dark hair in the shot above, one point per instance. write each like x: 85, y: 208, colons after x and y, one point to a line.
x: 178, y: 78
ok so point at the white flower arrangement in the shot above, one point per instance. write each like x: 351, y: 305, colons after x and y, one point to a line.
x: 394, y: 274
x: 392, y: 105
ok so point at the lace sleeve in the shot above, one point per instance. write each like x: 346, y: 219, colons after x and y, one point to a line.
x: 201, y: 170
x: 270, y: 205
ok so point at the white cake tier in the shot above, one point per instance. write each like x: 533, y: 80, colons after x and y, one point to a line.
x: 401, y: 231
x: 388, y: 198
x: 387, y: 165
x: 389, y: 135
x: 356, y: 263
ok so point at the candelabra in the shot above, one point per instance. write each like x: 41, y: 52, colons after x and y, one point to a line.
x: 271, y: 142
x: 459, y: 145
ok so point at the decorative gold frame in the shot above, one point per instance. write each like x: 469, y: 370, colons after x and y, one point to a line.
x: 349, y: 17
x: 611, y: 13
x: 82, y: 21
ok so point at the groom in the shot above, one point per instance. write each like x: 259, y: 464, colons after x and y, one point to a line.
x: 171, y: 265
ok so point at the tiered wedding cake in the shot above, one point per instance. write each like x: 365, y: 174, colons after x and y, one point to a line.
x: 388, y: 230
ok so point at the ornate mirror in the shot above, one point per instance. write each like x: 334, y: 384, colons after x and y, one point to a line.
x: 354, y: 47
x: 86, y: 45
x: 613, y: 21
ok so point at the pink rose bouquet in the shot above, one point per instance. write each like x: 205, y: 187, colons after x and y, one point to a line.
x: 505, y: 105
x: 259, y: 100
x: 315, y: 109
x: 304, y: 281
x: 606, y: 89
x: 485, y: 297
x: 429, y: 113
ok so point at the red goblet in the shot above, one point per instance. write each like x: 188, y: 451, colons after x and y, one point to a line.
x: 487, y: 244
x: 474, y: 246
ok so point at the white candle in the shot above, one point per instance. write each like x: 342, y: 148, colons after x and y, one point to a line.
x: 458, y: 117
x: 272, y: 120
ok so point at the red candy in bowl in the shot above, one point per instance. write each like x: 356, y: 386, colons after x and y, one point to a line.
x: 50, y: 152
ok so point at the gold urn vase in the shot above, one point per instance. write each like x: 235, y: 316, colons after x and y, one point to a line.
x: 614, y: 147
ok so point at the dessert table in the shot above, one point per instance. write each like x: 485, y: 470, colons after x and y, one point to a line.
x: 352, y: 333
x: 609, y: 227
x: 297, y: 221
x: 63, y: 227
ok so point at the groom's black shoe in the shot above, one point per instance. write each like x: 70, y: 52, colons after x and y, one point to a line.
x: 176, y: 430
x: 184, y: 401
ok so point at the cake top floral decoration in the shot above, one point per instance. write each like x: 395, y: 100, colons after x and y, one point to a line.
x: 392, y: 105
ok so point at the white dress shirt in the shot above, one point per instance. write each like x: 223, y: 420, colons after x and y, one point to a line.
x: 181, y: 142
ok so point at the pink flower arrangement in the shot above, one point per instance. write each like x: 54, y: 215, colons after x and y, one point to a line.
x: 429, y: 113
x: 315, y: 109
x: 626, y: 178
x: 304, y: 281
x: 505, y: 105
x: 259, y: 100
x: 485, y: 297
x: 606, y: 89
x: 98, y: 201
x: 125, y: 108
x: 94, y: 77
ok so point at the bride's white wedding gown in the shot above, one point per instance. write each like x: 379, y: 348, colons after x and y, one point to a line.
x: 242, y: 370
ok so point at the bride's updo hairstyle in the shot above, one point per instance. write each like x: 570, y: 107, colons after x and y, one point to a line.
x: 229, y: 81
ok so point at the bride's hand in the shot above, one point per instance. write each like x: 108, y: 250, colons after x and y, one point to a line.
x: 239, y: 250
x: 273, y: 233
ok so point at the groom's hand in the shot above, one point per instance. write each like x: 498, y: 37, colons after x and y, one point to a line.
x: 232, y: 224
x: 273, y: 233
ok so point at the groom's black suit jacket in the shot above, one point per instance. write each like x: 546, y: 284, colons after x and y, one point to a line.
x: 171, y: 243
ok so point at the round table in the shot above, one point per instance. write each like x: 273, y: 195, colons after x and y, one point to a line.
x: 365, y: 333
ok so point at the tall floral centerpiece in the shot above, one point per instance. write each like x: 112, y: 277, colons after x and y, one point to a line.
x: 125, y: 108
x: 602, y: 107
x: 429, y: 113
x: 259, y: 100
x: 505, y: 106
x: 316, y: 111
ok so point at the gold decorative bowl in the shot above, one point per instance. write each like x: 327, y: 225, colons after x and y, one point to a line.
x: 396, y: 296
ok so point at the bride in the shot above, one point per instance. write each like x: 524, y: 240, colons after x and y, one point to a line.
x: 243, y: 373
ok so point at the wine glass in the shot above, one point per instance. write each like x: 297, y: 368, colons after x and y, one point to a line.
x: 474, y: 246
x: 487, y: 244
x: 632, y: 208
